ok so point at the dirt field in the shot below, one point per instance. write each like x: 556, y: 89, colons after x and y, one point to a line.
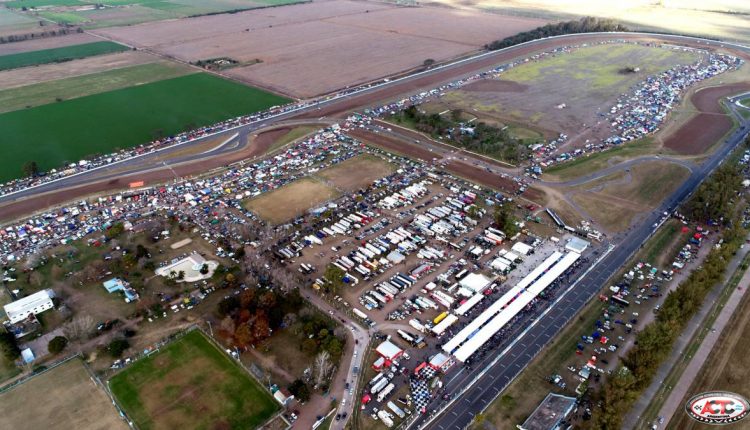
x: 726, y: 19
x: 309, y: 38
x: 63, y: 398
x: 357, y: 172
x: 276, y: 138
x: 291, y: 200
x: 49, y: 72
x: 47, y: 43
x: 587, y: 81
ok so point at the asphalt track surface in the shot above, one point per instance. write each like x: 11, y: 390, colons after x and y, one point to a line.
x: 496, y: 377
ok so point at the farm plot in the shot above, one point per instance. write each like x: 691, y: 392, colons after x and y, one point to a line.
x: 16, y: 23
x: 307, y: 39
x: 58, y: 55
x: 566, y: 92
x: 79, y: 86
x: 291, y: 200
x: 100, y: 123
x: 62, y: 398
x: 191, y: 384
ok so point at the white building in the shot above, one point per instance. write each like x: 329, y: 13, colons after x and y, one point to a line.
x: 30, y: 305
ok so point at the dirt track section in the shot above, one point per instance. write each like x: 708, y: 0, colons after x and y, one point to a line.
x: 394, y: 145
x: 710, y: 125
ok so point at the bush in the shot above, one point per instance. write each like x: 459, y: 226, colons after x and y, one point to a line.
x: 57, y: 344
x: 117, y: 347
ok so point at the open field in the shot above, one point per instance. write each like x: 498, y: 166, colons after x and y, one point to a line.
x: 14, y: 23
x: 99, y: 123
x: 587, y: 80
x: 58, y: 55
x: 277, y: 138
x: 47, y: 42
x: 615, y: 200
x: 191, y: 384
x: 725, y: 19
x: 357, y: 172
x: 291, y: 200
x: 63, y: 398
x: 130, y: 12
x: 308, y: 38
x: 84, y: 66
x: 79, y: 86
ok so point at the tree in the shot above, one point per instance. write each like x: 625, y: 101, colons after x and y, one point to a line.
x: 117, y: 347
x: 204, y: 269
x: 79, y: 327
x: 8, y: 345
x: 114, y: 231
x: 243, y: 336
x: 505, y: 220
x: 335, y: 276
x: 322, y: 367
x: 57, y: 345
x: 428, y: 62
x: 180, y: 275
x: 300, y: 390
x: 261, y: 328
x: 30, y: 168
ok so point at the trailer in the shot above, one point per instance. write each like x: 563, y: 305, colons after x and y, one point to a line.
x: 440, y: 318
x: 359, y: 313
x: 379, y: 386
x: 386, y: 392
x: 396, y: 410
x: 418, y: 326
x: 405, y: 336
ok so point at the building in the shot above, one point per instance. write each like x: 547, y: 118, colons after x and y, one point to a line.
x: 389, y: 351
x: 576, y: 244
x: 117, y: 284
x: 475, y: 282
x: 30, y: 305
x: 550, y: 414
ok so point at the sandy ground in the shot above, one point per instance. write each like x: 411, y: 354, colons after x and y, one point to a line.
x: 323, y: 41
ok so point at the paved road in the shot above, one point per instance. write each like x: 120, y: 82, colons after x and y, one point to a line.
x: 508, y: 365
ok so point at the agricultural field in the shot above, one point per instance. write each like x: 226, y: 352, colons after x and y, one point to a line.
x: 305, y: 39
x: 295, y: 198
x: 129, y: 12
x: 586, y: 81
x: 65, y: 397
x: 100, y: 123
x: 58, y: 55
x: 16, y: 23
x: 30, y: 96
x: 191, y: 384
x: 724, y: 19
x: 291, y: 200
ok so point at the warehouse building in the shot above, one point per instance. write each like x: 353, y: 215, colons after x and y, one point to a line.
x: 30, y: 305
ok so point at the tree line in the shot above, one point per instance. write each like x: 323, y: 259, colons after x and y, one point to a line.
x: 654, y: 343
x: 478, y: 137
x: 586, y: 24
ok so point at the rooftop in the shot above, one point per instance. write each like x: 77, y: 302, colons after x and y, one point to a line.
x: 550, y: 413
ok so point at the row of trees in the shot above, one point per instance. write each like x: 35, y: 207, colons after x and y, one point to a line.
x: 584, y: 25
x: 41, y: 35
x: 654, y: 342
x: 479, y: 137
x: 715, y: 197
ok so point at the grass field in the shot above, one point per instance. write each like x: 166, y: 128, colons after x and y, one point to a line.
x: 69, y: 88
x: 294, y: 199
x: 291, y: 200
x: 64, y: 398
x: 191, y: 384
x: 357, y: 172
x: 292, y: 135
x: 58, y: 55
x: 100, y: 123
x: 614, y: 201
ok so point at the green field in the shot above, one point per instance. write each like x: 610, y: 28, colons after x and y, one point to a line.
x: 191, y: 384
x: 18, y: 4
x: 67, y: 131
x: 58, y: 55
x: 69, y: 88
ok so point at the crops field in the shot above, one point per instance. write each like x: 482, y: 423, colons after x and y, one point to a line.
x: 69, y: 88
x: 57, y: 55
x: 69, y: 130
x: 64, y: 398
x: 191, y: 384
x: 130, y: 12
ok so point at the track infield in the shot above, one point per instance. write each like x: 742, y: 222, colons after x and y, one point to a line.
x: 64, y: 398
x: 70, y: 130
x: 191, y: 384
